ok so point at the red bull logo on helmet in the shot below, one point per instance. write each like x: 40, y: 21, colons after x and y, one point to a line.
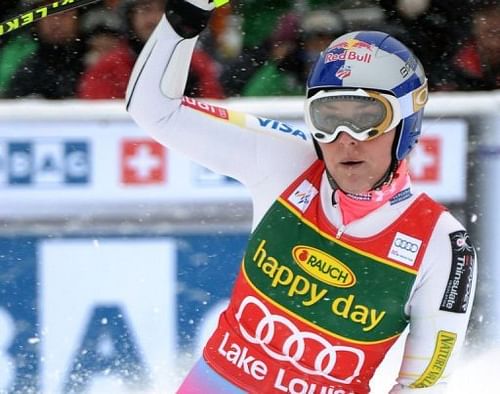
x: 348, y: 55
x: 350, y: 49
x: 351, y: 43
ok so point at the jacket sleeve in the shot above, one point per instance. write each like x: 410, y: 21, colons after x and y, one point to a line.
x: 263, y: 154
x: 439, y: 310
x: 155, y: 101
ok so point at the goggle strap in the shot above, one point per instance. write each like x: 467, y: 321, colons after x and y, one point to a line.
x: 406, y: 105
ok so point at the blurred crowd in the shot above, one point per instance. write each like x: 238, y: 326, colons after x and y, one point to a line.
x: 252, y: 48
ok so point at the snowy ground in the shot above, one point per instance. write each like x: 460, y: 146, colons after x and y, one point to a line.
x: 478, y: 375
x: 474, y: 376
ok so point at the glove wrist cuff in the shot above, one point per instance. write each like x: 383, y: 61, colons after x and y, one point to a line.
x: 185, y: 18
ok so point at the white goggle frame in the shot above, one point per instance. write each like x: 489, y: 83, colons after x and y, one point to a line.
x: 396, y: 108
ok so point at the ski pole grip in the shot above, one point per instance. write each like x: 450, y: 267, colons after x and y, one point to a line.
x: 220, y: 3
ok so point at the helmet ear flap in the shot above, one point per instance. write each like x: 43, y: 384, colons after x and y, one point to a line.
x: 410, y: 128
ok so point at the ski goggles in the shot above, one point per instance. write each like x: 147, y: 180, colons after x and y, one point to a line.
x: 363, y: 114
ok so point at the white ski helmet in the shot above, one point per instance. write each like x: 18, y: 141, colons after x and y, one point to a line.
x: 364, y: 64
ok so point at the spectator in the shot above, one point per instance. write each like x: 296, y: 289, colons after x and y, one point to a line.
x: 319, y: 28
x: 260, y: 18
x: 258, y: 21
x: 52, y: 69
x: 477, y: 63
x: 112, y: 4
x: 279, y: 73
x: 434, y: 29
x: 237, y: 73
x: 296, y: 46
x: 223, y: 35
x: 102, y: 31
x: 108, y: 77
x: 203, y: 77
x: 8, y: 9
x: 15, y: 49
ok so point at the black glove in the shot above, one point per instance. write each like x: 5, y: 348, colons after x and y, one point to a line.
x: 188, y: 19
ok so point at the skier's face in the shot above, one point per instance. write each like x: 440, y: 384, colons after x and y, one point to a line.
x: 356, y: 166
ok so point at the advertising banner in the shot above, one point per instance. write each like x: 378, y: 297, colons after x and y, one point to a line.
x: 108, y: 314
x: 99, y: 166
x: 127, y: 309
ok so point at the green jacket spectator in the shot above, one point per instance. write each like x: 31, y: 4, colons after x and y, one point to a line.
x: 296, y: 43
x: 270, y: 81
x: 12, y: 55
x: 260, y: 17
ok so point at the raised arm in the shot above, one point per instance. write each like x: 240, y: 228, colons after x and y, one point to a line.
x: 155, y: 98
x: 263, y: 154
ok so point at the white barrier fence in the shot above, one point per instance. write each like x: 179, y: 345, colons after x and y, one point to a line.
x: 116, y: 253
x: 93, y: 157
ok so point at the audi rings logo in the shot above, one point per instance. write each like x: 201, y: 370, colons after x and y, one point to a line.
x: 406, y: 245
x: 405, y: 248
x: 283, y: 341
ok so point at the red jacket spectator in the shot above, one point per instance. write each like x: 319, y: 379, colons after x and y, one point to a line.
x: 203, y: 79
x: 477, y: 63
x: 108, y: 78
x: 472, y: 72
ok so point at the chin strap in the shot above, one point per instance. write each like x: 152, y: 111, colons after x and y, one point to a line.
x: 387, y: 178
x: 317, y: 149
